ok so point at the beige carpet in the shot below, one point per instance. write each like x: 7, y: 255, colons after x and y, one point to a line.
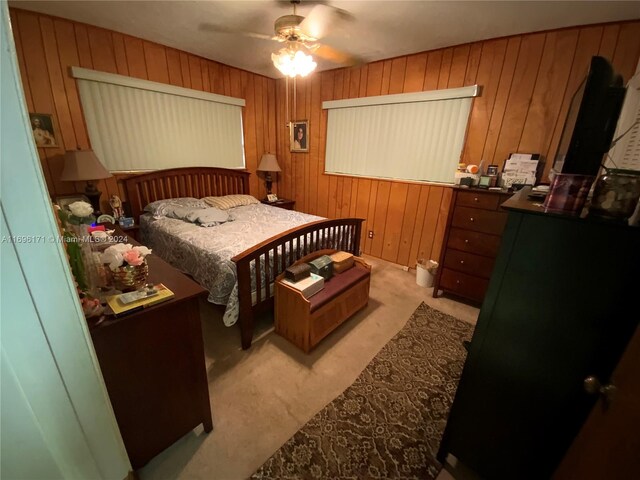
x: 388, y: 424
x: 261, y: 397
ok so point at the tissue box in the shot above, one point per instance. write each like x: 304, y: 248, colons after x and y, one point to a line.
x: 459, y: 175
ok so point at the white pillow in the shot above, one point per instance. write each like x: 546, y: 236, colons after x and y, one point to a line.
x: 229, y: 201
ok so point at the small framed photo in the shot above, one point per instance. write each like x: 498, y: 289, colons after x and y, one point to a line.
x: 299, y: 136
x: 492, y: 170
x: 44, y: 132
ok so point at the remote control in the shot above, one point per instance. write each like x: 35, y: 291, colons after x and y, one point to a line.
x: 130, y: 297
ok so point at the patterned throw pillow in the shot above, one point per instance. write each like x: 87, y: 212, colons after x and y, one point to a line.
x: 161, y: 208
x: 229, y: 201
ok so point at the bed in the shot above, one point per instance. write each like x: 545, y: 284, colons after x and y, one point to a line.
x: 238, y: 261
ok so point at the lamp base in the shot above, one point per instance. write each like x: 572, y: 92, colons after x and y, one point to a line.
x: 268, y: 182
x: 93, y: 194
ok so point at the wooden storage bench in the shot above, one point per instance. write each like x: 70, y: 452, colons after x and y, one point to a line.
x: 305, y: 322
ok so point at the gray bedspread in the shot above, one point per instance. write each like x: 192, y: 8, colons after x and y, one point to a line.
x: 205, y: 253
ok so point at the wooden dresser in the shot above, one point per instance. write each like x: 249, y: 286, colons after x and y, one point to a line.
x: 153, y: 366
x: 471, y: 241
x: 550, y: 320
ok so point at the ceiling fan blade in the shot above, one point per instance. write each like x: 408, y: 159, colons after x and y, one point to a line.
x: 210, y: 27
x: 319, y: 20
x: 336, y: 56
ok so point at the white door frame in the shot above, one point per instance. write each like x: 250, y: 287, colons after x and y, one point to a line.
x: 46, y: 346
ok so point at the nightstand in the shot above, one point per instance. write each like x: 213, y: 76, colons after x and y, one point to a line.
x: 153, y: 366
x: 281, y: 203
x: 132, y: 231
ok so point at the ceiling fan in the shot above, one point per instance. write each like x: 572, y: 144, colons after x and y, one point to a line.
x: 301, y: 36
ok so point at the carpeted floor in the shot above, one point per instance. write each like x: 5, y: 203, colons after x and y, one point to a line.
x: 387, y: 424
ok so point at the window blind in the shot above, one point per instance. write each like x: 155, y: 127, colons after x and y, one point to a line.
x: 141, y: 125
x: 417, y: 136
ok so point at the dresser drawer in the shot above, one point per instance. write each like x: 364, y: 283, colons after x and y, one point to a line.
x: 474, y: 242
x: 468, y: 263
x: 479, y: 220
x: 467, y: 286
x: 487, y: 201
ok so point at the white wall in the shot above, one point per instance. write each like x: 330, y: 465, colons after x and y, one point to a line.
x: 56, y: 419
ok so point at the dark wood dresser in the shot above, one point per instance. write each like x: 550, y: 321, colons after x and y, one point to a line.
x: 562, y: 304
x: 153, y: 366
x: 474, y: 228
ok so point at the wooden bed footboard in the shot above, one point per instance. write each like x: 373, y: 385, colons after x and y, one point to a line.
x: 257, y: 267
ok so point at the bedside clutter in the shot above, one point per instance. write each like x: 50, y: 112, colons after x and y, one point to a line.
x: 308, y: 309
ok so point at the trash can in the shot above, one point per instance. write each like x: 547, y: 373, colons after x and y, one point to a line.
x: 425, y: 272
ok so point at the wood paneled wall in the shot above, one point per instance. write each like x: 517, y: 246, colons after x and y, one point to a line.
x: 48, y: 46
x: 527, y: 81
x: 527, y: 85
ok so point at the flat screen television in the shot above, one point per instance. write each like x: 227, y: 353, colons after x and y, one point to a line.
x: 591, y: 120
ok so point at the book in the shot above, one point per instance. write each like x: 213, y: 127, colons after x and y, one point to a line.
x: 309, y: 286
x: 121, y: 308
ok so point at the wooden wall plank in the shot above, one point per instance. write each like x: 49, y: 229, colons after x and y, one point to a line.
x: 458, y: 66
x: 396, y: 81
x: 524, y: 81
x: 102, y: 51
x: 155, y: 58
x: 547, y: 97
x: 500, y: 103
x: 120, y: 53
x: 445, y: 68
x: 173, y: 67
x: 627, y: 50
x: 394, y: 221
x: 135, y: 57
x: 66, y: 130
x: 414, y: 77
x: 489, y: 71
x: 408, y: 223
x: 432, y: 75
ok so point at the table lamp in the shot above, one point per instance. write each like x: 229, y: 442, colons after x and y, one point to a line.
x: 268, y: 164
x: 83, y: 165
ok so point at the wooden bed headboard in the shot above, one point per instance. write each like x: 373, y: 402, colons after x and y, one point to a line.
x: 195, y: 182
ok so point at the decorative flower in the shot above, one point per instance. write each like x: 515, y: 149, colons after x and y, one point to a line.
x: 120, y: 253
x: 81, y: 209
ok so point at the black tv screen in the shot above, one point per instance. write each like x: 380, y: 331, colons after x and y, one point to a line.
x: 591, y: 120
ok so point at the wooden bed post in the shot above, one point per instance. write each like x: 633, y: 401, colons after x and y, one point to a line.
x: 246, y: 310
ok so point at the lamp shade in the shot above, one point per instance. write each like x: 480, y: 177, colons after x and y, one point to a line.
x: 269, y: 163
x: 82, y: 165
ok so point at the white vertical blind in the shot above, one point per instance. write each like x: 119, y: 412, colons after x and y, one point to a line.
x: 626, y: 154
x: 409, y: 137
x: 139, y: 125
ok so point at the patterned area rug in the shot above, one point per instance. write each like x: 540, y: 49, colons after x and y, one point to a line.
x: 388, y: 424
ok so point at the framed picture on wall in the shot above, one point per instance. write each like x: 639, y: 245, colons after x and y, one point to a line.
x: 299, y: 136
x: 44, y: 133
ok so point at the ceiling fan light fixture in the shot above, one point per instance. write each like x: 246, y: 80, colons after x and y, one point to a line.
x: 293, y: 62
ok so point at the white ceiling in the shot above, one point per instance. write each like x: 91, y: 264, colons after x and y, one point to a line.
x: 381, y: 29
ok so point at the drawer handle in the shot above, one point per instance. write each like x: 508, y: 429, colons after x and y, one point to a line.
x: 458, y: 282
x: 475, y: 199
x: 471, y: 219
x: 466, y: 240
x: 461, y: 262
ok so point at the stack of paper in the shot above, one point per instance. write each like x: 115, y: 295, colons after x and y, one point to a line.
x: 309, y: 286
x: 520, y: 168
